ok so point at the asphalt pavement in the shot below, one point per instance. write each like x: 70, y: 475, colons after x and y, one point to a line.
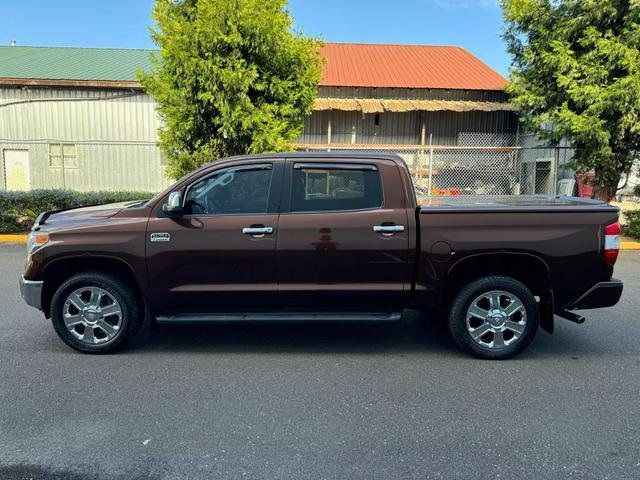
x: 319, y: 401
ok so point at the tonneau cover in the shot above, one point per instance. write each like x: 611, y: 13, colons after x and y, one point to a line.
x: 510, y: 202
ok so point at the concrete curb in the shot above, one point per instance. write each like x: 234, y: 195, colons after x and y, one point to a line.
x: 13, y: 238
x: 629, y: 245
x: 626, y: 244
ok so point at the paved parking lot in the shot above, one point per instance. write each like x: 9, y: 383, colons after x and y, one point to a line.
x: 309, y: 401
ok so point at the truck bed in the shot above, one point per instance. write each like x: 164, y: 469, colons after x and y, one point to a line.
x: 564, y: 235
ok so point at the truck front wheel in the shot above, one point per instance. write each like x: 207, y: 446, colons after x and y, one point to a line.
x: 95, y: 312
x: 494, y: 317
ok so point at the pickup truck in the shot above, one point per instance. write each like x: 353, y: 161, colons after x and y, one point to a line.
x: 321, y: 237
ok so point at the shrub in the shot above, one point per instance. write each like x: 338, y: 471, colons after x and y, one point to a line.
x: 18, y: 210
x: 632, y: 228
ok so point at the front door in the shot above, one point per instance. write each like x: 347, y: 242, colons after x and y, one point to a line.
x: 343, y: 245
x: 16, y: 170
x: 221, y: 255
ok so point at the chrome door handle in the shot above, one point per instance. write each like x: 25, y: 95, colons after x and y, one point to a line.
x: 257, y: 230
x: 388, y: 229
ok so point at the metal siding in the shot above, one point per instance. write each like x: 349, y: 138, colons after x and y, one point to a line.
x: 116, y: 119
x: 115, y: 138
x: 100, y: 167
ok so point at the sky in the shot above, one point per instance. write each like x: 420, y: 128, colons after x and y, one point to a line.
x: 473, y: 24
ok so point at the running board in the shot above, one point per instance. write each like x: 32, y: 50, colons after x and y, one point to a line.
x: 280, y: 317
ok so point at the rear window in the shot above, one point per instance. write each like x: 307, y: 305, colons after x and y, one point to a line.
x: 317, y: 188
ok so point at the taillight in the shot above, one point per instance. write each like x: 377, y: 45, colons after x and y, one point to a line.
x: 612, y: 242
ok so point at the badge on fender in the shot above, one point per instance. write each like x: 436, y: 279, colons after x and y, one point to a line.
x: 160, y: 237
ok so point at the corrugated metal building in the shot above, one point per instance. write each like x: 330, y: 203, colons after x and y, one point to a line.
x: 403, y: 96
x: 77, y: 118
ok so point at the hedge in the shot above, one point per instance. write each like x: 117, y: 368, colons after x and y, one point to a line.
x: 632, y: 227
x: 18, y: 210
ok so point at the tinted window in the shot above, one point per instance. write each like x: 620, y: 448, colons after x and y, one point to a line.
x: 230, y: 192
x: 330, y: 189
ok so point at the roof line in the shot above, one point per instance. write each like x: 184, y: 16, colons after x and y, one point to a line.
x: 430, y: 45
x: 70, y: 47
x: 349, y: 65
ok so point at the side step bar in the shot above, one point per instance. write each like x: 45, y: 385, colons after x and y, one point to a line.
x: 280, y: 317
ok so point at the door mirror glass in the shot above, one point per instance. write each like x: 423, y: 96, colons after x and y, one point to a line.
x: 173, y: 207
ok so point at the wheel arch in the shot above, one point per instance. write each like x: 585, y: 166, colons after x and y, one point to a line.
x: 59, y: 270
x: 527, y: 268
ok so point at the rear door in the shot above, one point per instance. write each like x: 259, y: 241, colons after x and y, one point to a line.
x: 221, y: 255
x: 343, y: 241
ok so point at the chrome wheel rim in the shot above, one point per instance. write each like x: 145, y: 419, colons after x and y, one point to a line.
x: 92, y: 315
x: 496, y: 319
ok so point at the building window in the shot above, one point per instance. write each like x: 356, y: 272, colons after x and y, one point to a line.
x: 63, y: 155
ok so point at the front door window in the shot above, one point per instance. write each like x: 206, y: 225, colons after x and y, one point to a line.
x: 230, y: 192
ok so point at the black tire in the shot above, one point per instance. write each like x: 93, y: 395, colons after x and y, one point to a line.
x: 132, y: 313
x: 461, y: 332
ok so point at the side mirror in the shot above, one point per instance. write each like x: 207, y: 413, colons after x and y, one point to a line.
x: 173, y: 207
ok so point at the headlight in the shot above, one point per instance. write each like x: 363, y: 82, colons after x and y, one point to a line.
x: 36, y: 240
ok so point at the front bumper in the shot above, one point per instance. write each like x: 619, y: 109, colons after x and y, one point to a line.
x: 601, y: 295
x: 31, y: 292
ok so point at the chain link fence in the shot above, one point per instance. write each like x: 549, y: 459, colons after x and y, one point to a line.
x: 483, y: 170
x: 480, y: 163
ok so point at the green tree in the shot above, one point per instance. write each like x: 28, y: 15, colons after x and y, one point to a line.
x: 231, y: 77
x: 576, y: 75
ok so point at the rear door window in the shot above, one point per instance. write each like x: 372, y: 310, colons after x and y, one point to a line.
x: 326, y: 187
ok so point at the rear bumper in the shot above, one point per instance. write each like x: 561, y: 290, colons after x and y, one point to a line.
x: 601, y: 295
x: 31, y: 292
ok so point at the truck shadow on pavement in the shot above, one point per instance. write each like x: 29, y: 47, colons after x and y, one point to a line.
x: 412, y: 333
x: 37, y: 472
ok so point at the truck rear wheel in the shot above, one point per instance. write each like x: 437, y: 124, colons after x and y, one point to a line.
x: 494, y: 317
x: 95, y: 312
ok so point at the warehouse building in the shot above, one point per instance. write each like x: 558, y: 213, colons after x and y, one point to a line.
x: 77, y: 118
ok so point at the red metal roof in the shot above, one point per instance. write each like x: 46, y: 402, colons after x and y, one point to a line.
x: 406, y: 66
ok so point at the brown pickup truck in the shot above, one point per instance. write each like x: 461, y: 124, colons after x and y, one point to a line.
x: 321, y: 237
